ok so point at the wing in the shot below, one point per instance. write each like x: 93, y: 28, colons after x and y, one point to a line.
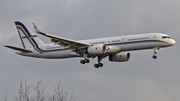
x: 64, y: 42
x: 19, y: 49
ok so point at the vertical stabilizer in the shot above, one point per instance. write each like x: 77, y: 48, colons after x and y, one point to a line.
x: 29, y: 35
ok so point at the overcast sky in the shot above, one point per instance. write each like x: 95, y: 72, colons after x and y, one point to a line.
x: 140, y: 79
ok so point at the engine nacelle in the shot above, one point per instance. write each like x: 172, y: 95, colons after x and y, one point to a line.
x: 120, y: 57
x: 113, y: 49
x: 97, y: 49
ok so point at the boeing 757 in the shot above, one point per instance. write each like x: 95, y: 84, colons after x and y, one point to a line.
x: 113, y: 47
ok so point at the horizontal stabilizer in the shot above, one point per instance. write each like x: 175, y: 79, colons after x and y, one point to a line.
x: 19, y: 49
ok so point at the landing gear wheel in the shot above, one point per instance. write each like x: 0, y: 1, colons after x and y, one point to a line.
x: 96, y: 65
x: 154, y: 56
x: 100, y: 64
x: 86, y: 60
x: 155, y: 52
x: 82, y: 62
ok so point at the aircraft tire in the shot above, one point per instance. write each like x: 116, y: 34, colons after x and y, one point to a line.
x: 96, y: 65
x: 82, y: 62
x: 100, y: 64
x: 86, y: 60
x: 154, y: 57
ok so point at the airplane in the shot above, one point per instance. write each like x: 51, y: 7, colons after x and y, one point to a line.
x: 113, y: 47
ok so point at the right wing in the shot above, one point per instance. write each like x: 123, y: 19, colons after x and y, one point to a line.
x: 19, y: 49
x: 64, y: 42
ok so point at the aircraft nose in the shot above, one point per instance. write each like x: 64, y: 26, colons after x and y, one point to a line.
x: 172, y: 42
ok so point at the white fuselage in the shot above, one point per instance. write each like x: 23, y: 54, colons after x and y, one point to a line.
x: 125, y: 43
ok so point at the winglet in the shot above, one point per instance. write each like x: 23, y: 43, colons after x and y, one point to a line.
x: 37, y: 30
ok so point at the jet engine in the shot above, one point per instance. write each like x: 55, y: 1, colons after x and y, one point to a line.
x: 120, y: 57
x: 97, y: 49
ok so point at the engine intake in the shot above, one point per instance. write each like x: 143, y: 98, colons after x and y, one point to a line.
x: 120, y: 57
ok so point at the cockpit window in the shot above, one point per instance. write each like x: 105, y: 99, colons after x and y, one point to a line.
x: 164, y: 37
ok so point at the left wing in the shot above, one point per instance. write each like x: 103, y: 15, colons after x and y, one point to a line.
x: 67, y: 43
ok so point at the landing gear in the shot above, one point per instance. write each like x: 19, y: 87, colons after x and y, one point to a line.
x: 154, y: 56
x: 84, y: 61
x: 99, y: 64
x: 155, y: 52
x: 96, y: 65
x: 85, y: 58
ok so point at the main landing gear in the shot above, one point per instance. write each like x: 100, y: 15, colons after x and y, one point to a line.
x: 84, y: 61
x: 85, y: 58
x: 99, y: 64
x: 95, y: 65
x: 155, y: 52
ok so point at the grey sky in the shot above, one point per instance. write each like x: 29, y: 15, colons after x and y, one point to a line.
x: 139, y: 79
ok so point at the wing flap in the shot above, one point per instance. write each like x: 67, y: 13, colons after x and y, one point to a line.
x: 19, y: 49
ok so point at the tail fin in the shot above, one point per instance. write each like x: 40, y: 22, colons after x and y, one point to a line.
x: 29, y: 34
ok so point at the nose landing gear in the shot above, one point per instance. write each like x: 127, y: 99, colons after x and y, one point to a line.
x: 155, y: 52
x: 154, y: 56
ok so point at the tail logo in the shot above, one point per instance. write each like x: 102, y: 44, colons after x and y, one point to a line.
x: 29, y: 35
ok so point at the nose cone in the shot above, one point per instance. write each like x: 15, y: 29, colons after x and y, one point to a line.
x: 172, y: 42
